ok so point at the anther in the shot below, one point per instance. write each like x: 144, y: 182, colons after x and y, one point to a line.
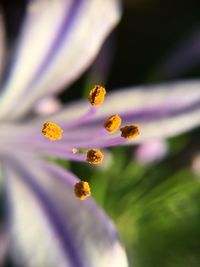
x: 94, y: 156
x: 82, y: 190
x: 130, y: 131
x: 112, y: 123
x: 52, y: 131
x: 96, y: 95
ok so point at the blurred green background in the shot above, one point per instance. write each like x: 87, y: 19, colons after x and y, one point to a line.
x: 156, y: 206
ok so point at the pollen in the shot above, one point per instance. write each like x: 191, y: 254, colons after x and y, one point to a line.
x: 82, y: 190
x: 96, y: 95
x: 52, y: 131
x: 94, y: 156
x: 130, y: 131
x: 112, y: 123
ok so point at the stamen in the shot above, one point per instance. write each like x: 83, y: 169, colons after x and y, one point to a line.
x: 94, y: 156
x: 82, y: 190
x: 82, y: 119
x: 96, y: 95
x: 52, y: 131
x: 112, y: 123
x: 130, y: 131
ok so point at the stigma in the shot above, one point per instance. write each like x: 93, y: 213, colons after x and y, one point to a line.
x: 112, y: 123
x: 130, y: 131
x: 75, y: 151
x: 82, y: 190
x: 94, y: 156
x: 52, y: 131
x: 96, y: 95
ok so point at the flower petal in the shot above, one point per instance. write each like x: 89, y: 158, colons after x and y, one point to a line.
x: 2, y: 46
x: 50, y: 227
x: 59, y: 40
x: 47, y: 105
x: 151, y: 151
x: 160, y: 110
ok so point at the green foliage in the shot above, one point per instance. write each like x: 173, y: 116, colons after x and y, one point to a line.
x: 155, y: 207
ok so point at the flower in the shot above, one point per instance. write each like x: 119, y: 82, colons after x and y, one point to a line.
x: 151, y: 151
x: 48, y: 225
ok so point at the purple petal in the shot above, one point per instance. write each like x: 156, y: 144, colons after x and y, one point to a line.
x: 59, y: 40
x: 2, y: 46
x: 47, y: 105
x: 160, y: 110
x: 50, y: 227
x: 151, y: 151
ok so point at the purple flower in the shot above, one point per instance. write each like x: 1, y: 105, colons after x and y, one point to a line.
x: 47, y: 224
x: 151, y: 151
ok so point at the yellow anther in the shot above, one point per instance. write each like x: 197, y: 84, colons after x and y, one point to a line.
x: 94, y: 156
x: 130, y: 131
x: 52, y: 131
x: 112, y: 123
x: 96, y: 95
x: 82, y: 190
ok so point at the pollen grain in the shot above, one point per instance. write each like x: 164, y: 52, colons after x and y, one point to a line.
x: 130, y: 131
x: 96, y: 95
x: 94, y: 156
x: 112, y: 123
x: 82, y: 190
x: 52, y: 131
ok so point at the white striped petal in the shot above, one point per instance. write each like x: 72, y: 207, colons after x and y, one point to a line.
x: 160, y: 110
x: 59, y: 40
x: 51, y: 227
x: 2, y: 46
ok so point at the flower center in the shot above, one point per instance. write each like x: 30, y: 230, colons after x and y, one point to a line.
x: 53, y: 132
